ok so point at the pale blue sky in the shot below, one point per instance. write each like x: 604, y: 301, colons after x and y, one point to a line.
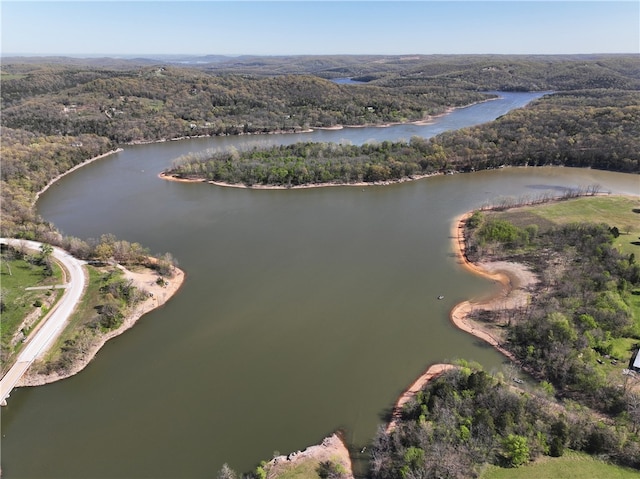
x: 319, y: 27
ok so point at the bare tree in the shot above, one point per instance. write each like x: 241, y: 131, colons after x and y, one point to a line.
x: 633, y: 408
x: 226, y: 472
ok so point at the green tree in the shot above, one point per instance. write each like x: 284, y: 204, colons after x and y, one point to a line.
x: 330, y: 470
x: 103, y: 252
x: 559, y: 436
x: 46, y: 251
x: 516, y: 450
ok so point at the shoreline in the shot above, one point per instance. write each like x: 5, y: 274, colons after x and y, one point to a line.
x: 142, y: 280
x: 79, y: 165
x: 332, y: 448
x: 515, y: 279
x: 427, y: 120
x: 432, y: 372
x: 359, y: 184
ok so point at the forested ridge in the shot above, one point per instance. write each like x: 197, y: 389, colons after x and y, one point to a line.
x: 585, y: 128
x: 167, y: 102
x: 57, y: 112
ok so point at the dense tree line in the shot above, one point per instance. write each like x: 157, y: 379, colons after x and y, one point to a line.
x: 58, y: 112
x: 582, y: 304
x: 599, y: 129
x: 581, y: 307
x: 29, y: 162
x: 168, y: 102
x: 467, y: 418
x: 312, y: 163
x: 586, y: 128
x: 519, y: 73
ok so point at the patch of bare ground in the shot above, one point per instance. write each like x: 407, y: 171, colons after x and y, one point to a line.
x: 331, y: 448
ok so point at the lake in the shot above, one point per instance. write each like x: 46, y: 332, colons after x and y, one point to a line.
x: 303, y: 312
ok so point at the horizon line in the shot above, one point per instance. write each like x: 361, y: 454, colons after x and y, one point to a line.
x: 235, y: 55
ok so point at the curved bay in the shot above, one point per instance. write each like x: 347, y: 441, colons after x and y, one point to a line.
x: 304, y: 311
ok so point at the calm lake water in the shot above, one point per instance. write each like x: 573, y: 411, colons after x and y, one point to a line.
x: 303, y: 312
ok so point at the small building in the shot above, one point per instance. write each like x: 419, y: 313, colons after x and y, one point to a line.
x: 636, y: 362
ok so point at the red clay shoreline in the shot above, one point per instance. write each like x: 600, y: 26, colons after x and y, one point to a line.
x: 432, y: 372
x: 459, y: 315
x: 507, y: 276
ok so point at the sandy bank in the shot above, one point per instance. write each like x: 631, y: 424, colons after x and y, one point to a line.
x: 144, y: 279
x: 331, y: 449
x: 433, y: 371
x: 516, y: 281
x: 361, y: 184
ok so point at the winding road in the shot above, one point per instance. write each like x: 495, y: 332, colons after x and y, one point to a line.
x: 53, y: 323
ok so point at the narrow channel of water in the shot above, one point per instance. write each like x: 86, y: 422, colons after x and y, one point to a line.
x: 304, y: 311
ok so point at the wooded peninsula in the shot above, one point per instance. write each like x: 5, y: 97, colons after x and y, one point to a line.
x: 58, y: 113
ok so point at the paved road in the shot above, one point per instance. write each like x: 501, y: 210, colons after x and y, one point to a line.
x: 55, y: 320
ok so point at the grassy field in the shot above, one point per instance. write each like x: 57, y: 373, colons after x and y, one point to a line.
x: 20, y: 304
x: 622, y: 212
x: 308, y: 468
x: 85, y: 312
x: 571, y: 465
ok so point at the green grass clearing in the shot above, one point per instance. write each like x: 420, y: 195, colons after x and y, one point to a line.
x: 11, y: 76
x: 85, y: 312
x: 622, y: 212
x: 23, y: 309
x: 572, y: 465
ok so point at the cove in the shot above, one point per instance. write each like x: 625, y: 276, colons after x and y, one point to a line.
x: 303, y: 311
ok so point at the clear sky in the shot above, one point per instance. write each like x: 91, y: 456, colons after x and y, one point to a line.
x: 319, y: 27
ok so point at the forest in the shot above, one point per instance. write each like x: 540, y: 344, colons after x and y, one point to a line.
x: 564, y: 338
x: 58, y: 112
x: 586, y: 128
x: 467, y: 418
